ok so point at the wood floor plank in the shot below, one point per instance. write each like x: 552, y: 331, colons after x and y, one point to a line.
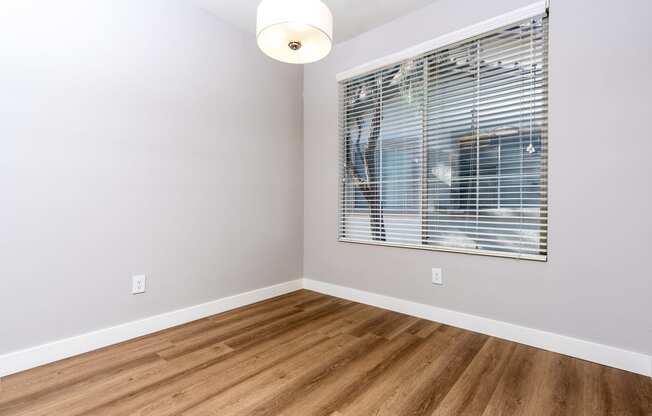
x: 290, y: 300
x: 314, y: 317
x: 176, y: 395
x: 561, y: 390
x: 321, y: 397
x: 471, y: 393
x: 423, y: 328
x: 271, y: 382
x: 394, y: 326
x: 423, y: 392
x: 73, y: 399
x: 373, y: 324
x: 306, y: 354
x: 281, y: 347
x: 252, y: 327
x: 258, y: 310
x: 374, y: 395
x: 314, y: 301
x: 41, y: 381
x: 225, y: 331
x: 608, y: 391
x: 520, y: 384
x: 56, y: 402
x: 358, y: 315
x: 308, y: 378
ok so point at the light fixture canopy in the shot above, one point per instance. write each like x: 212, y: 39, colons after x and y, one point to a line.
x: 294, y: 31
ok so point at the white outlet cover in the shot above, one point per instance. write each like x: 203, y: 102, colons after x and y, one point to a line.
x: 437, y: 277
x: 138, y: 284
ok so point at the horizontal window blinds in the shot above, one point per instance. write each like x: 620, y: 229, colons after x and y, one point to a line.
x: 449, y: 150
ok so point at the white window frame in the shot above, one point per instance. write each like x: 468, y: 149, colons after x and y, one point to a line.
x: 535, y: 9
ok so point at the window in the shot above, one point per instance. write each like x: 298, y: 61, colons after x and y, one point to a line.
x: 448, y: 150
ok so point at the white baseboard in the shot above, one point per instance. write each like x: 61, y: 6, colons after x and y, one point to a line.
x: 574, y: 347
x: 43, y: 354
x: 68, y: 347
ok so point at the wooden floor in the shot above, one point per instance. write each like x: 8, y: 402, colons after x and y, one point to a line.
x: 309, y: 354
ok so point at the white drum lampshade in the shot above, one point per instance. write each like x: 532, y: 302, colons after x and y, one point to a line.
x: 294, y: 31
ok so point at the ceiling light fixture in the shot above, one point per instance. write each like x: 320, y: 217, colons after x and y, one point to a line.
x: 294, y: 31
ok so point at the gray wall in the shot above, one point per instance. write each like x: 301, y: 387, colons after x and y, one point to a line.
x: 597, y: 283
x: 139, y: 137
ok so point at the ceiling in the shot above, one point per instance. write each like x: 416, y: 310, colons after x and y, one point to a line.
x: 351, y: 17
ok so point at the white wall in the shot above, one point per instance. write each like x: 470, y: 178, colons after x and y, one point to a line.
x: 149, y: 137
x: 139, y: 137
x: 597, y: 283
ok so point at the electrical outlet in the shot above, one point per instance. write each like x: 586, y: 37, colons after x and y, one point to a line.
x: 437, y: 277
x: 138, y: 284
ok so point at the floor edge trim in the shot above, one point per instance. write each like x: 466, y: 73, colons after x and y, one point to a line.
x: 36, y: 356
x: 586, y: 350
